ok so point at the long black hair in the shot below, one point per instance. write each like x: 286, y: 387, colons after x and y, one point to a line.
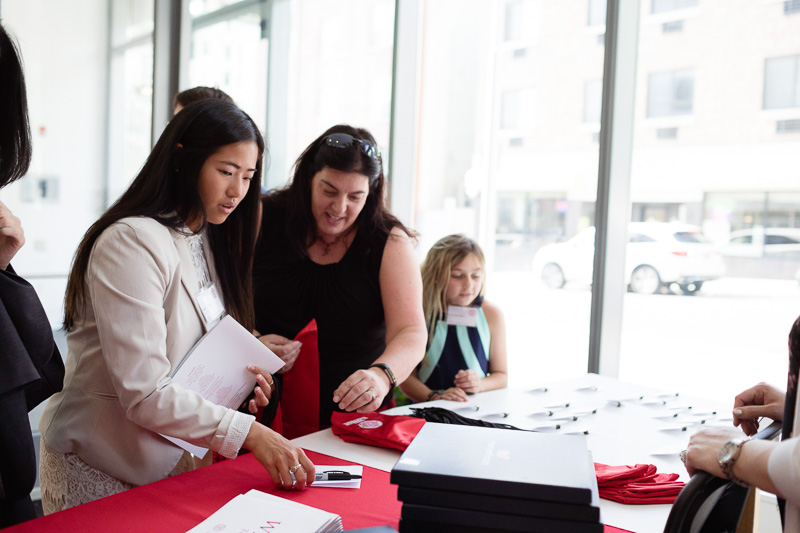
x: 375, y: 216
x: 15, y: 131
x: 166, y: 190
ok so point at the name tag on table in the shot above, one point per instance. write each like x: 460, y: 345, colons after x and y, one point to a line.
x: 462, y: 316
x: 210, y: 303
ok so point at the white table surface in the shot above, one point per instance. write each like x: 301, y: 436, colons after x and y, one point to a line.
x: 626, y: 424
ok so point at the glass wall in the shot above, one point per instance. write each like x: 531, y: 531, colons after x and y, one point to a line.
x: 229, y: 51
x: 339, y: 71
x: 508, y: 154
x: 714, y: 144
x: 506, y: 132
x: 65, y: 187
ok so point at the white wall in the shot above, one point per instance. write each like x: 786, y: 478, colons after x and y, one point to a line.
x: 64, y: 50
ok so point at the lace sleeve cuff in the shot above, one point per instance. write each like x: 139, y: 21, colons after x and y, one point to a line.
x: 237, y: 428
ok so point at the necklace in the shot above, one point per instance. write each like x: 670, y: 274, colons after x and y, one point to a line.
x: 328, y: 245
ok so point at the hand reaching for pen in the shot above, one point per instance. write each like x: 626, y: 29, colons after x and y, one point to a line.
x: 263, y: 389
x: 284, y: 461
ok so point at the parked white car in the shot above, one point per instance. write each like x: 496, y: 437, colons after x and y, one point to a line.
x: 657, y: 256
x: 762, y: 242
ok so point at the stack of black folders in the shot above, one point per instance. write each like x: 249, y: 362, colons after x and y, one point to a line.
x: 468, y: 479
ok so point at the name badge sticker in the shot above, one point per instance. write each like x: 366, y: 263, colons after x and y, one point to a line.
x: 462, y: 316
x: 210, y: 303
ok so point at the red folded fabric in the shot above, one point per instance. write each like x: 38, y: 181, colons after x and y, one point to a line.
x: 637, y: 484
x: 376, y: 429
x: 609, y: 476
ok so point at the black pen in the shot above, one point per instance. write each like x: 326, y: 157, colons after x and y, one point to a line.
x: 335, y: 475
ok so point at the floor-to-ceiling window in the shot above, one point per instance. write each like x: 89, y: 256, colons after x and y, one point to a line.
x: 229, y: 50
x: 508, y: 154
x: 505, y: 143
x: 130, y: 93
x: 714, y: 180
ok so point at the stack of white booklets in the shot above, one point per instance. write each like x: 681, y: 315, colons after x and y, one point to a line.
x: 258, y: 511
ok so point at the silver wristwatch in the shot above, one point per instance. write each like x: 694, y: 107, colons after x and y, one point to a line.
x: 727, y: 457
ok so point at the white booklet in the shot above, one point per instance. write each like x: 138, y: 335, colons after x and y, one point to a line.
x: 216, y: 367
x: 259, y: 511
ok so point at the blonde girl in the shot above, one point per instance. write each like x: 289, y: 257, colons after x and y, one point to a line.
x: 464, y: 355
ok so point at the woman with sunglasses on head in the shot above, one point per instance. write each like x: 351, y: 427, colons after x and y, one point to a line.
x: 330, y: 251
x: 158, y: 270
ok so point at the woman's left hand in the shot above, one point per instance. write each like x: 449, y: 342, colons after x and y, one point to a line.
x: 468, y: 381
x: 363, y: 391
x: 703, y: 450
x: 263, y: 389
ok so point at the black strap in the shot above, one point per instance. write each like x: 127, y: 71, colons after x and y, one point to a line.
x: 440, y: 415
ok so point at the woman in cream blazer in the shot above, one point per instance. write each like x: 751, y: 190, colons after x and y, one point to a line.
x: 156, y: 272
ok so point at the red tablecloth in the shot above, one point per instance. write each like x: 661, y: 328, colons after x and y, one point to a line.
x: 179, y: 503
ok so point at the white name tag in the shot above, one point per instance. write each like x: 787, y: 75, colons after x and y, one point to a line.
x: 210, y: 303
x: 462, y: 316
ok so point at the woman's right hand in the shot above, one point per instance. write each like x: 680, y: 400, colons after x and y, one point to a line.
x: 280, y: 458
x: 756, y: 402
x: 286, y: 349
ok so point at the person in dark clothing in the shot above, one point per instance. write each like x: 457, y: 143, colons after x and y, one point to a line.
x: 330, y: 251
x: 31, y: 368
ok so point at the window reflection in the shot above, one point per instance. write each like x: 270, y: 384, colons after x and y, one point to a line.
x: 782, y: 82
x: 670, y: 93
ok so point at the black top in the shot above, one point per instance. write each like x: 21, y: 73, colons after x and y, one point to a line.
x: 344, y: 298
x: 31, y: 370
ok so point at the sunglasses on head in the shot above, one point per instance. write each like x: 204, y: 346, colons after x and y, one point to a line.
x: 345, y: 140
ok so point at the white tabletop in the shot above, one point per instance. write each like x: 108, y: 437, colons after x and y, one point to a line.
x: 624, y: 424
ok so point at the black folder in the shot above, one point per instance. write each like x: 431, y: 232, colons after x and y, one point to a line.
x: 441, y: 520
x: 498, y: 504
x: 498, y: 462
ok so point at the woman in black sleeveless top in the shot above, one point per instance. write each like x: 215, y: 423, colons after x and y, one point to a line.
x: 330, y: 251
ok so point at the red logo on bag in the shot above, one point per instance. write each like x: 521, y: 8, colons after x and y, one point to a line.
x: 355, y: 421
x: 370, y: 424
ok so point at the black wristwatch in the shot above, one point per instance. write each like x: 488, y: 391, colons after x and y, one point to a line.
x: 387, y: 371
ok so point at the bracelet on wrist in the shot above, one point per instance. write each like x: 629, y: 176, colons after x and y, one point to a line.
x: 388, y: 372
x: 433, y: 393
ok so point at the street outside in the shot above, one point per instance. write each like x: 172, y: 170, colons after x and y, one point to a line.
x: 729, y: 336
x: 726, y: 338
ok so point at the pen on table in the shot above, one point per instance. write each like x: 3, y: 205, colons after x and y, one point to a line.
x: 335, y: 475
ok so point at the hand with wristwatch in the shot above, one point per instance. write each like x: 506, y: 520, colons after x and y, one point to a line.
x: 728, y: 452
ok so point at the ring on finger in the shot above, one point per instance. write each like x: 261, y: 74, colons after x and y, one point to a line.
x: 372, y: 394
x: 294, y: 468
x: 683, y: 456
